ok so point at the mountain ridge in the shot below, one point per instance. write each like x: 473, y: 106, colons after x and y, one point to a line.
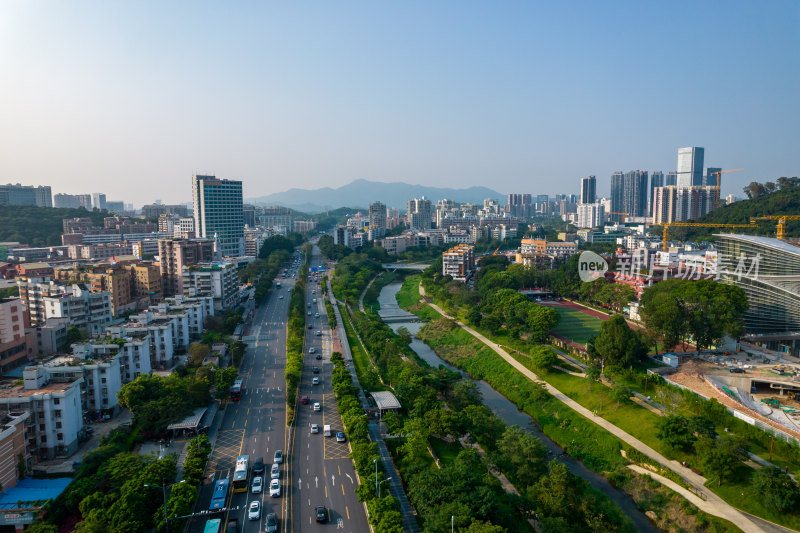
x: 362, y: 192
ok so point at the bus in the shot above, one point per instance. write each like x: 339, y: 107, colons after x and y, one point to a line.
x: 237, y: 389
x: 212, y: 525
x: 240, y: 474
x: 219, y: 496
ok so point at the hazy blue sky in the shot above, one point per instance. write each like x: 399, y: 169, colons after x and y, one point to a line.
x: 132, y: 98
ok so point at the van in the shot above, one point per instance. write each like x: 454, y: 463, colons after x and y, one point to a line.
x: 326, y: 430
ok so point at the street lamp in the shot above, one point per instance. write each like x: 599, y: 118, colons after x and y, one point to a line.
x: 381, y: 483
x: 164, y: 490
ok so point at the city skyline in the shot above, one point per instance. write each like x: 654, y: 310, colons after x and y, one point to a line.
x: 326, y: 95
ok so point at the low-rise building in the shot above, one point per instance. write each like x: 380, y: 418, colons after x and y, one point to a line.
x: 197, y: 309
x: 13, y: 340
x: 162, y: 345
x: 49, y: 338
x: 101, y: 380
x: 15, y: 430
x: 130, y: 346
x: 90, y: 311
x: 55, y: 408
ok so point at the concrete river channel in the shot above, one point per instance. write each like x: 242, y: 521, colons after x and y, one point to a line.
x: 505, y: 409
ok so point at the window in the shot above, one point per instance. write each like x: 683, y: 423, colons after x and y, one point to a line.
x: 56, y: 401
x: 58, y: 425
x: 41, y: 427
x: 59, y: 436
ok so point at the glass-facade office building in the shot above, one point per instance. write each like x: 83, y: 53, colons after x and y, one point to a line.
x: 218, y: 212
x: 690, y: 166
x: 772, y: 285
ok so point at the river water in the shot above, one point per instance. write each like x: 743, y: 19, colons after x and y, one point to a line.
x: 506, y: 410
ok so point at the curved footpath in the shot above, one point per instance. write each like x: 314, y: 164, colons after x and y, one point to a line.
x: 714, y: 504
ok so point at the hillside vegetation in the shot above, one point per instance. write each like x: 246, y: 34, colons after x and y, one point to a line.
x: 769, y: 198
x: 40, y: 226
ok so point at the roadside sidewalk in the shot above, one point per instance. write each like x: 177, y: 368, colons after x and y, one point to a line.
x: 716, y: 505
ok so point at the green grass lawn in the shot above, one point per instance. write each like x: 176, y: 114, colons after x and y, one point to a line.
x: 361, y: 360
x: 575, y: 325
x: 408, y: 299
x: 447, y: 452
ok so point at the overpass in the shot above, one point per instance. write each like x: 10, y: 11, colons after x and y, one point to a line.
x: 404, y: 266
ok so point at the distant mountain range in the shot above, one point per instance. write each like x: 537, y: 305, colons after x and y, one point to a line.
x: 361, y: 193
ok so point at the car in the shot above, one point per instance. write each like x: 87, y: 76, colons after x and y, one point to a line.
x: 278, y: 458
x: 737, y: 371
x: 258, y: 466
x: 254, y: 511
x: 309, y: 313
x: 318, y: 333
x: 316, y: 315
x: 313, y: 291
x: 275, y: 471
x: 258, y: 483
x: 315, y: 370
x: 304, y: 399
x: 340, y: 436
x: 314, y: 300
x: 322, y: 514
x: 312, y: 350
x: 281, y: 297
x: 272, y: 523
x: 310, y: 326
x: 275, y: 488
x: 315, y: 381
x: 317, y: 406
x: 314, y: 428
x: 319, y: 356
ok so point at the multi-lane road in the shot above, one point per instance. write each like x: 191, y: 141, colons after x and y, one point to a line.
x: 316, y: 470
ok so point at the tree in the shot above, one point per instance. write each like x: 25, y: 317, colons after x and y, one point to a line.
x: 479, y: 526
x: 73, y: 335
x: 621, y: 394
x: 404, y: 336
x: 465, y: 392
x: 776, y: 488
x: 543, y: 358
x: 592, y: 373
x: 198, y: 353
x: 674, y: 431
x: 223, y: 379
x: 415, y: 448
x: 523, y: 454
x: 618, y: 345
x: 754, y: 190
x: 716, y: 457
x: 662, y: 314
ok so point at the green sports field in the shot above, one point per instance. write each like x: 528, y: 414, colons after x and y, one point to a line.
x: 575, y: 325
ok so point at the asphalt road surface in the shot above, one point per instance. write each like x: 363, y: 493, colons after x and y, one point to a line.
x: 321, y: 471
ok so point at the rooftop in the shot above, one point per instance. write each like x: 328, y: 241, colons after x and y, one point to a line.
x: 31, y: 492
x: 385, y: 400
x: 769, y: 242
x: 21, y: 392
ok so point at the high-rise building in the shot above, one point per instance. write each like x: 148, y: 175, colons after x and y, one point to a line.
x: 419, y: 213
x: 377, y: 219
x: 590, y: 215
x: 671, y: 179
x: 680, y: 204
x: 617, y: 197
x: 66, y: 200
x: 13, y: 343
x: 26, y: 195
x: 520, y: 205
x: 690, y: 166
x: 635, y: 196
x: 98, y: 200
x: 710, y: 175
x: 276, y: 217
x: 588, y: 190
x: 656, y: 180
x: 218, y: 212
x: 175, y: 254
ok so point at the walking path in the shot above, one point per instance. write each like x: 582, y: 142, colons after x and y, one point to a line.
x: 395, y: 483
x: 716, y: 505
x: 363, y: 293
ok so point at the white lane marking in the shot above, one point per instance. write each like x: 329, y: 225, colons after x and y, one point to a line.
x: 333, y: 480
x: 316, y: 482
x: 348, y: 477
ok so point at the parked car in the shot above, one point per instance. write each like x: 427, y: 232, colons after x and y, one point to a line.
x: 258, y: 483
x: 275, y: 488
x: 254, y: 511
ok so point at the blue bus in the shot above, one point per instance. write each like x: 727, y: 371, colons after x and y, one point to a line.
x: 212, y: 525
x: 220, y: 495
x: 240, y: 474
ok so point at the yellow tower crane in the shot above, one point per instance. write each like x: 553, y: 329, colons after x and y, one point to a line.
x: 719, y: 174
x: 665, y: 240
x: 781, y: 232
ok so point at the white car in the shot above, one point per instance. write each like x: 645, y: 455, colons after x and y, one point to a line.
x: 314, y: 428
x: 278, y: 457
x: 281, y: 297
x: 258, y: 483
x: 312, y: 350
x: 275, y: 488
x: 315, y: 381
x: 317, y: 406
x: 254, y: 511
x: 275, y: 472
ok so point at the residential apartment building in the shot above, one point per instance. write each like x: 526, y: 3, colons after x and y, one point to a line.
x: 159, y: 331
x: 253, y: 240
x: 49, y: 338
x: 459, y: 262
x: 100, y: 380
x: 175, y: 254
x: 218, y: 280
x: 676, y: 204
x: 377, y: 220
x: 156, y: 210
x: 26, y: 195
x: 129, y: 345
x: 393, y: 245
x: 87, y: 310
x: 656, y: 180
x: 178, y: 320
x: 15, y: 430
x: 302, y: 226
x: 56, y: 412
x: 146, y: 282
x: 591, y: 215
x: 197, y: 309
x: 520, y: 205
x: 419, y: 214
x: 550, y: 248
x: 218, y: 212
x: 276, y: 217
x: 13, y: 339
x: 66, y: 200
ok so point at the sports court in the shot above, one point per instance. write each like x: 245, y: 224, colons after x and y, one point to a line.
x: 577, y: 324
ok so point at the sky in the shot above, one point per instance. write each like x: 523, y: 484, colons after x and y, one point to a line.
x: 133, y: 98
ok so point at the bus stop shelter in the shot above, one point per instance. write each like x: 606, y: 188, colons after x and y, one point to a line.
x: 189, y: 425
